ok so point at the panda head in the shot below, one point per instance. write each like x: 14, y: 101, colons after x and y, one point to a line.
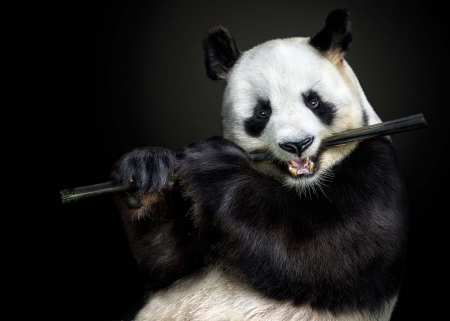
x: 285, y: 96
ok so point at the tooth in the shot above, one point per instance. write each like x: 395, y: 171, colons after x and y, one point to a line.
x: 293, y: 171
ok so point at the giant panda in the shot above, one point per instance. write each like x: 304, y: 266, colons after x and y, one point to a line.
x: 305, y: 234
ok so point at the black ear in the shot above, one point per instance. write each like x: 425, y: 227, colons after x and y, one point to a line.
x: 220, y: 52
x: 335, y: 39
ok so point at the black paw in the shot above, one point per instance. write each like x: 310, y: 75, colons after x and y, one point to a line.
x: 147, y: 169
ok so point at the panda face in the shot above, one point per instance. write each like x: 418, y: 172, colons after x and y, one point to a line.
x: 284, y: 97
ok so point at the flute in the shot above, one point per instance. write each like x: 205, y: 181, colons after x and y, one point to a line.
x: 381, y: 129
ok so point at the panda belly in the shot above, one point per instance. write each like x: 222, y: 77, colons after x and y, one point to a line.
x: 215, y: 296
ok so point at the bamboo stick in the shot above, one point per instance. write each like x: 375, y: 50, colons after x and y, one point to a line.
x: 382, y: 129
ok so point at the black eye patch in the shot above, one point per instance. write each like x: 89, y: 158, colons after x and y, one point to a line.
x: 325, y: 111
x: 254, y: 126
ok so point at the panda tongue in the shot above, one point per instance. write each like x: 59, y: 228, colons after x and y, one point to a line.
x: 300, y: 166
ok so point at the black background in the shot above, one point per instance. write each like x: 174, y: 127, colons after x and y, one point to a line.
x: 127, y: 74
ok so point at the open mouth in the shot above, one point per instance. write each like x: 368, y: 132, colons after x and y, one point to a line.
x: 296, y: 168
x: 301, y: 166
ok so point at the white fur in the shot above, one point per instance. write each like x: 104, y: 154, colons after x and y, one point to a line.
x: 215, y: 296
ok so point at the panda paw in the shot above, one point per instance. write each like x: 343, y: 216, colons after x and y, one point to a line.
x: 147, y: 169
x: 211, y: 163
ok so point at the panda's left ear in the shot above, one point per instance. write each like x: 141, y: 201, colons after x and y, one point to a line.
x: 221, y: 52
x: 335, y: 39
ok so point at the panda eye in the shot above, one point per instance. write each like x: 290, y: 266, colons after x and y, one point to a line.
x: 314, y: 103
x: 263, y: 114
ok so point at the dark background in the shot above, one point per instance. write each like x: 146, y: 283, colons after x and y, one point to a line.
x: 127, y: 74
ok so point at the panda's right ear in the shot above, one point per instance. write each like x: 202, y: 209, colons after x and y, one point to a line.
x: 335, y: 39
x: 220, y: 52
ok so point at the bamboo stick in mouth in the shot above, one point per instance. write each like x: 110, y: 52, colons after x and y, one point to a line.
x: 381, y: 129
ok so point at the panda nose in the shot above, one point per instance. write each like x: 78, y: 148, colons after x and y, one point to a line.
x: 297, y: 147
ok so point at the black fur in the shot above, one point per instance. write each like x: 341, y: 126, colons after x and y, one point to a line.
x: 340, y: 252
x: 220, y: 52
x: 162, y: 237
x: 254, y: 126
x: 147, y: 168
x: 325, y: 111
x: 337, y: 33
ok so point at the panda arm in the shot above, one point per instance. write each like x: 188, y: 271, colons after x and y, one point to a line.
x: 160, y: 234
x: 233, y: 201
x: 325, y: 250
